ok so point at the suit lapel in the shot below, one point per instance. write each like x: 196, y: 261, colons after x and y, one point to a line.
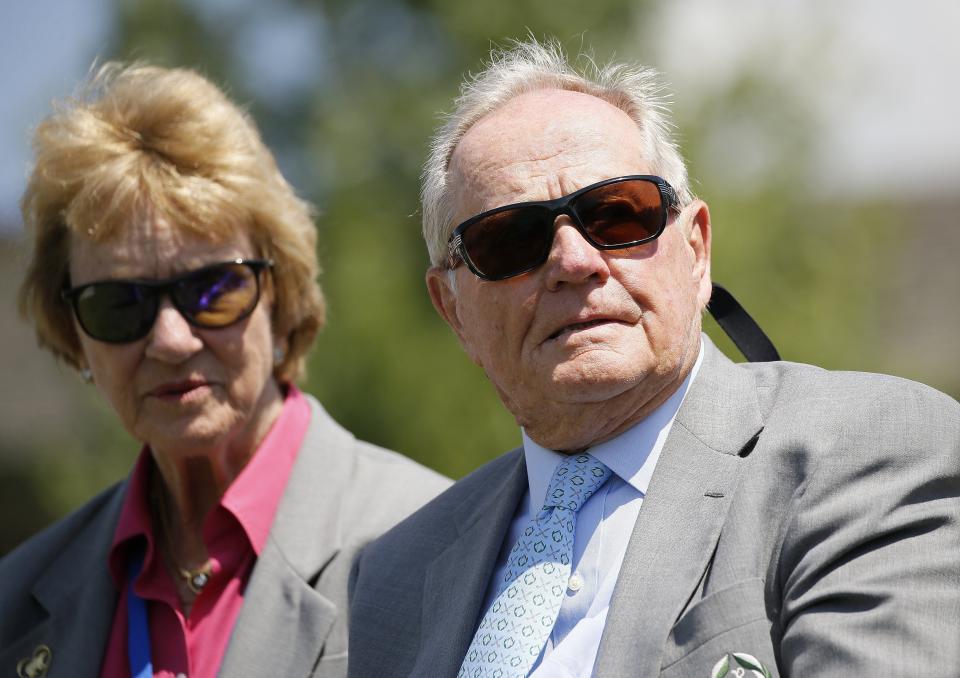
x: 681, y: 516
x: 282, y: 610
x: 80, y: 597
x: 456, y: 582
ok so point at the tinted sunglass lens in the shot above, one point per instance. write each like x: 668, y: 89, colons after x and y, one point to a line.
x: 621, y: 213
x: 507, y: 243
x: 218, y: 296
x: 618, y: 213
x: 115, y: 312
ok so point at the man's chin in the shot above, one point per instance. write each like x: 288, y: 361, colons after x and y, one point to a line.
x: 596, y: 377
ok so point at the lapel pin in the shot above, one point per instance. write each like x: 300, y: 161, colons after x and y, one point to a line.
x: 37, y: 665
x: 739, y: 665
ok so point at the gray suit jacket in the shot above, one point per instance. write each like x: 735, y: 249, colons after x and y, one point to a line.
x: 56, y: 589
x: 808, y: 518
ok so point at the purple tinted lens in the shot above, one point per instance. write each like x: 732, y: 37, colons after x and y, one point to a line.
x: 217, y: 296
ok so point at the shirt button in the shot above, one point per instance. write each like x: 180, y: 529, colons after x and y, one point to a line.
x: 575, y: 583
x: 181, y: 675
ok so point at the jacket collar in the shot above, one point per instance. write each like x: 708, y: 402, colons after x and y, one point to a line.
x: 282, y: 610
x: 456, y: 581
x: 682, y: 515
x: 79, y: 596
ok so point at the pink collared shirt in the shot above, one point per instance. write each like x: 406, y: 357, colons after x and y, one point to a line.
x: 235, y: 532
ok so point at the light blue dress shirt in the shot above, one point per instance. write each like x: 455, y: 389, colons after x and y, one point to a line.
x: 604, y: 526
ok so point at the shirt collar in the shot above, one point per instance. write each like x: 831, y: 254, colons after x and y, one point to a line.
x: 254, y: 495
x: 134, y: 523
x: 632, y: 455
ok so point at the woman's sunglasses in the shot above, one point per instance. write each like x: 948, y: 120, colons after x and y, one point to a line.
x: 612, y: 214
x: 120, y: 311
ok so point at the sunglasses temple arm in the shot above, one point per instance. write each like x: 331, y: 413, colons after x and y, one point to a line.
x: 743, y: 330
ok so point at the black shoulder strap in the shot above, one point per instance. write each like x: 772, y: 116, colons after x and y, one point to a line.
x: 740, y: 327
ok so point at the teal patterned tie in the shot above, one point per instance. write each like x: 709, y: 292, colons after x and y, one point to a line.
x: 514, y: 630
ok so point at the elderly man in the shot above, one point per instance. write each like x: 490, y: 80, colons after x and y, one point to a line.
x: 670, y: 512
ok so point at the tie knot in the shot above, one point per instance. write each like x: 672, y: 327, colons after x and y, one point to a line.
x: 575, y: 479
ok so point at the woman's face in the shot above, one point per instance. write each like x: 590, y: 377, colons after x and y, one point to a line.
x: 181, y: 389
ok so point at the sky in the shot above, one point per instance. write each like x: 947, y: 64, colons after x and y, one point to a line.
x: 877, y: 74
x: 47, y: 48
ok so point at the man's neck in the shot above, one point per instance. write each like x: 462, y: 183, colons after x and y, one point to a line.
x: 569, y: 428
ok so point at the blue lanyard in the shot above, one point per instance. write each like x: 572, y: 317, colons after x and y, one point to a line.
x: 138, y: 630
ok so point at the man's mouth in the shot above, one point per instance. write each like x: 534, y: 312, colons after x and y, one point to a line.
x: 576, y: 327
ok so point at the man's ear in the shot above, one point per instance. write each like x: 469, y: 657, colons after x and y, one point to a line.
x: 445, y: 300
x: 698, y: 235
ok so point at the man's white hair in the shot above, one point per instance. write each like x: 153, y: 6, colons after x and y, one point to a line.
x: 529, y: 66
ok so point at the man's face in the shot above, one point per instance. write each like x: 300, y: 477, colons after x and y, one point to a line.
x: 590, y: 342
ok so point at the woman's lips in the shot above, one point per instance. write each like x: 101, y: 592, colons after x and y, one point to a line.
x: 177, y: 390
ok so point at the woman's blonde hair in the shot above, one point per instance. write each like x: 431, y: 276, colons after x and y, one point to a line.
x: 168, y: 143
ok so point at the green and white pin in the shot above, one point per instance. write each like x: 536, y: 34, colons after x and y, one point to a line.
x: 739, y: 665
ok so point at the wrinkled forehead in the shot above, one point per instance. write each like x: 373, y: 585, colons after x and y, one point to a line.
x: 150, y: 245
x: 540, y: 145
x: 124, y: 205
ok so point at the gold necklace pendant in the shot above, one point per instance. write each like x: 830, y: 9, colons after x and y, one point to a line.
x: 197, y: 578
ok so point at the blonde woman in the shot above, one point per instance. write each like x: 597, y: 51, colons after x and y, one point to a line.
x: 174, y: 267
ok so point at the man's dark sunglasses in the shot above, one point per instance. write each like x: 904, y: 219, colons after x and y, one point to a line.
x: 120, y: 311
x: 611, y: 214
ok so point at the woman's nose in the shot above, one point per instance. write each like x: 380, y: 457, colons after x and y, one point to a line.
x: 172, y: 338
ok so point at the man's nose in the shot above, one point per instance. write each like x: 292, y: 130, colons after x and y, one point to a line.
x: 572, y: 258
x: 172, y: 339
